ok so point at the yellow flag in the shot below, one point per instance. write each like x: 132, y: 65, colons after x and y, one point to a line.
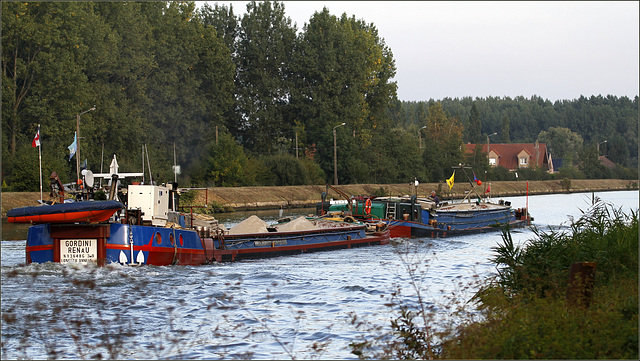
x: 450, y: 180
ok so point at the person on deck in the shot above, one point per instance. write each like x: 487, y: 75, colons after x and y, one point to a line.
x: 435, y: 197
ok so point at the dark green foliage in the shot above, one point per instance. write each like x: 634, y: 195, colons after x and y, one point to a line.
x: 478, y: 160
x: 284, y: 170
x: 266, y: 40
x: 474, y: 132
x: 314, y: 172
x: 525, y: 313
x: 505, y: 129
x: 127, y: 59
x: 224, y: 164
x: 522, y: 312
x: 590, y: 165
x: 603, y: 235
x: 393, y: 158
x: 188, y: 197
x: 525, y: 174
x: 595, y: 119
x: 442, y: 148
x: 500, y: 174
x: 100, y: 195
x: 562, y: 143
x: 570, y: 173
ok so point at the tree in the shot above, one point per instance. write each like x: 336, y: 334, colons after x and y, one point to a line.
x: 504, y: 130
x: 343, y: 73
x: 477, y: 159
x: 444, y: 143
x: 192, y: 86
x: 474, y: 133
x: 46, y: 49
x: 224, y: 164
x: 562, y: 143
x: 284, y: 170
x: 266, y: 42
x: 616, y: 149
x: 590, y: 164
x: 224, y: 21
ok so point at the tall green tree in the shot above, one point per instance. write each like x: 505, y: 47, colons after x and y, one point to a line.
x: 444, y: 144
x: 227, y: 26
x: 474, y: 132
x: 505, y: 129
x: 590, y: 164
x: 343, y: 73
x: 45, y: 77
x: 562, y: 143
x: 192, y: 87
x: 224, y: 163
x: 224, y: 21
x: 265, y: 45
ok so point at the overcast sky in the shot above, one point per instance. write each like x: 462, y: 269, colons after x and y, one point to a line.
x: 556, y: 50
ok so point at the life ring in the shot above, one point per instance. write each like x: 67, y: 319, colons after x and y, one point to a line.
x: 367, y: 206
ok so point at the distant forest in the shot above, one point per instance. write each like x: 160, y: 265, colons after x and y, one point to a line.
x: 252, y: 100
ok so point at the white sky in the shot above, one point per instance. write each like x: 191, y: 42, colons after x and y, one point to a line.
x: 556, y: 50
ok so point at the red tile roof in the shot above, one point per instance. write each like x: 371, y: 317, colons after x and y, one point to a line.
x: 508, y: 154
x: 606, y: 162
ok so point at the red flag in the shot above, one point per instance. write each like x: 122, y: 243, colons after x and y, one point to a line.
x: 36, y: 139
x: 488, y: 188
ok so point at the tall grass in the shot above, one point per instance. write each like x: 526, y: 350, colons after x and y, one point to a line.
x: 523, y: 313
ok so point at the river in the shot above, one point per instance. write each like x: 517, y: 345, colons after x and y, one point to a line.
x: 308, y: 306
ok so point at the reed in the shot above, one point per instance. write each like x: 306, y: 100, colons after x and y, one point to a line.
x: 523, y: 312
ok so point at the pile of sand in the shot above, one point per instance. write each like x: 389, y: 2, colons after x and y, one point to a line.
x: 299, y: 224
x: 252, y: 224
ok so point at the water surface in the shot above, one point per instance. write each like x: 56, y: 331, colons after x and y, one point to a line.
x: 300, y: 306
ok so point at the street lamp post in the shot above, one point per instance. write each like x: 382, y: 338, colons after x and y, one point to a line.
x: 488, y: 153
x: 335, y: 155
x: 78, y: 140
x: 420, y: 135
x: 598, y: 147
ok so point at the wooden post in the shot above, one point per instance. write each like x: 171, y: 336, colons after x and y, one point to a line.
x: 581, y: 281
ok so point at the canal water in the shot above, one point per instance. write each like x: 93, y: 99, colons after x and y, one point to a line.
x: 309, y: 306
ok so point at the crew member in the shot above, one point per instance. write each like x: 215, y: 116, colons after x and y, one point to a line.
x: 435, y: 197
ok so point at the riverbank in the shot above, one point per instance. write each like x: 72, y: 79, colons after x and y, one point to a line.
x: 244, y: 198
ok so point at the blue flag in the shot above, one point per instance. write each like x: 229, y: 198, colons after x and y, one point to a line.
x: 73, y: 147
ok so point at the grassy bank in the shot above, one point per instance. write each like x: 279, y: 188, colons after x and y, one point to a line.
x: 237, y: 198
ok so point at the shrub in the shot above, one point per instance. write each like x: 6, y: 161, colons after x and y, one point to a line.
x: 188, y: 197
x: 284, y: 170
x: 522, y: 312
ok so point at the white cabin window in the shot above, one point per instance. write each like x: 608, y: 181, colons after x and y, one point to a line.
x: 492, y: 161
x: 523, y: 161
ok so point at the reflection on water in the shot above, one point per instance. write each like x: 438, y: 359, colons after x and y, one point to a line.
x: 299, y: 306
x: 13, y: 231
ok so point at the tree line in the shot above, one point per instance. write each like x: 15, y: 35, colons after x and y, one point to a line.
x: 246, y: 99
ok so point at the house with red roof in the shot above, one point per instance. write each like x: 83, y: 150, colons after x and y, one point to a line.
x: 517, y: 155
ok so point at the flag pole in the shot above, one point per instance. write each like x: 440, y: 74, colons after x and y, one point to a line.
x: 527, y: 207
x: 40, y: 162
